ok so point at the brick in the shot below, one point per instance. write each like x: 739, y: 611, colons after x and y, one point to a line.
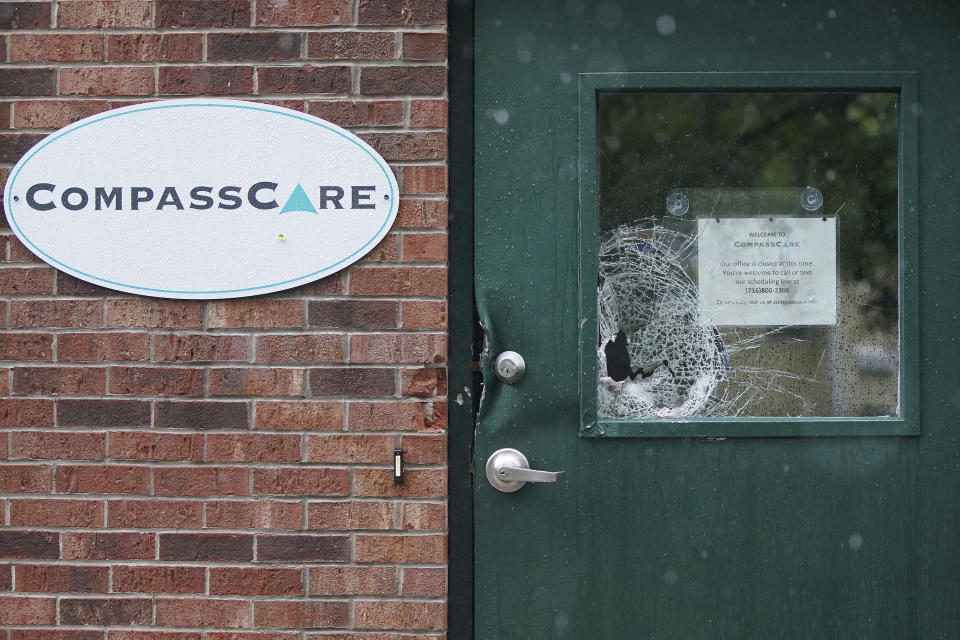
x: 32, y: 478
x: 423, y: 383
x: 256, y: 382
x: 213, y: 80
x: 350, y: 581
x: 152, y: 635
x: 257, y: 514
x: 201, y: 481
x: 424, y: 180
x: 27, y: 82
x: 347, y: 45
x: 14, y: 145
x: 424, y: 581
x: 398, y: 348
x: 398, y: 614
x: 424, y: 46
x: 347, y: 113
x: 249, y: 447
x: 19, y: 251
x: 409, y: 12
x: 27, y: 281
x: 293, y: 13
x: 428, y: 114
x: 203, y: 612
x: 99, y: 81
x: 332, y: 284
x: 398, y: 281
x: 332, y: 516
x: 304, y: 79
x: 103, y: 14
x: 303, y: 548
x: 387, y: 250
x: 45, y: 578
x: 24, y: 15
x: 424, y: 516
x: 23, y: 611
x: 26, y: 346
x: 154, y: 514
x: 139, y: 445
x: 29, y: 544
x: 421, y: 81
x: 154, y: 314
x: 155, y: 47
x: 156, y: 381
x: 220, y: 547
x: 253, y: 46
x: 299, y: 416
x: 73, y: 47
x: 56, y: 513
x: 351, y: 449
x: 162, y: 579
x: 301, y: 481
x: 274, y: 635
x: 47, y: 634
x: 67, y: 285
x: 54, y: 114
x: 425, y: 247
x: 425, y: 449
x: 203, y: 13
x: 389, y: 416
x: 59, y: 381
x: 299, y: 348
x: 97, y: 347
x: 25, y: 412
x: 57, y: 445
x: 254, y: 314
x: 352, y: 314
x: 408, y: 145
x: 102, y: 479
x: 422, y: 214
x: 103, y: 413
x: 202, y: 415
x: 423, y: 314
x: 102, y: 612
x: 285, y: 614
x: 425, y: 549
x: 420, y: 483
x: 56, y: 313
x: 352, y: 381
x: 200, y: 348
x: 230, y: 581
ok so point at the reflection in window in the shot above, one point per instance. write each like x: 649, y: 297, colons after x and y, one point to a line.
x: 681, y: 174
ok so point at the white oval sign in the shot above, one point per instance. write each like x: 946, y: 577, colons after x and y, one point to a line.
x: 201, y: 198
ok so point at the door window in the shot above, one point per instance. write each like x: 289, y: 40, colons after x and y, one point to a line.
x: 747, y: 257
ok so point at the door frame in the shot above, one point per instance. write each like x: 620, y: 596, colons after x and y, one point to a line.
x: 464, y: 383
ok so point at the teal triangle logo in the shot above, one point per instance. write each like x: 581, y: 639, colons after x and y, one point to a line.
x: 298, y: 201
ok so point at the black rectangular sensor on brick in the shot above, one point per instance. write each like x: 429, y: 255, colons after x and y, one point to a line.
x: 398, y: 465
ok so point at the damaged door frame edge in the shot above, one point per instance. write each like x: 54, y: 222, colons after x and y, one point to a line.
x: 463, y: 389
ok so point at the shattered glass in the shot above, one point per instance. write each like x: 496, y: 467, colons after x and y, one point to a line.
x: 658, y: 354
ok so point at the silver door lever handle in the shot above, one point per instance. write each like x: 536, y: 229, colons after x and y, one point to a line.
x: 508, y: 470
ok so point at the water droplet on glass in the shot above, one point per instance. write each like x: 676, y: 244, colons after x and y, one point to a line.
x: 666, y: 25
x: 855, y: 541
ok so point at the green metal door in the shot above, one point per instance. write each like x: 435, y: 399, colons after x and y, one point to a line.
x: 811, y: 487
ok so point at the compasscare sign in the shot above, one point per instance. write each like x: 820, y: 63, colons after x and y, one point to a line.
x: 201, y: 199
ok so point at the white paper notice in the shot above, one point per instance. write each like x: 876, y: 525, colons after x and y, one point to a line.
x: 762, y: 272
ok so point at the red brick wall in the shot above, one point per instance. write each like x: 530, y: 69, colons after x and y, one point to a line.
x: 176, y: 470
